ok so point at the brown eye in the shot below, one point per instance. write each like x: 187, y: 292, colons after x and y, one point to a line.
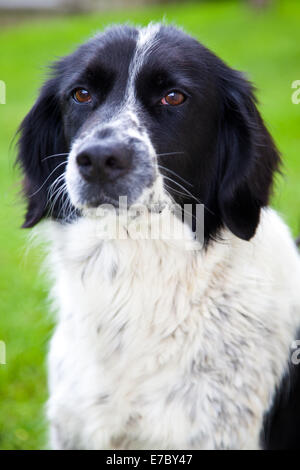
x: 82, y: 96
x: 174, y: 98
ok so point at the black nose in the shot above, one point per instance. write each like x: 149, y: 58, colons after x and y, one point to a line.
x: 104, y: 162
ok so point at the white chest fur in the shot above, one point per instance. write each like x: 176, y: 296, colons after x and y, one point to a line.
x: 159, y: 347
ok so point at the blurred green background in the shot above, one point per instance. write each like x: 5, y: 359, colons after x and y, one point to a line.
x: 264, y: 42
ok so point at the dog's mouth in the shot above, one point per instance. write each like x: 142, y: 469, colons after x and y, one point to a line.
x: 134, y: 189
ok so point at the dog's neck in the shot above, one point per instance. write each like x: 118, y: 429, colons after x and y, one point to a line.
x: 87, y: 254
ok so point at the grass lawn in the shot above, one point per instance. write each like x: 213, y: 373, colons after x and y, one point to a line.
x: 266, y: 45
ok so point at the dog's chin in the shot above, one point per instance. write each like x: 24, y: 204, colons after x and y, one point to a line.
x: 100, y: 201
x: 91, y: 203
x: 91, y: 200
x: 98, y: 206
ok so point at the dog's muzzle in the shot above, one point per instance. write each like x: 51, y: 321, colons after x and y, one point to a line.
x: 110, y: 163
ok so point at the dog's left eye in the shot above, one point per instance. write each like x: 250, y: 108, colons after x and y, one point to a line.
x: 80, y: 95
x: 174, y: 98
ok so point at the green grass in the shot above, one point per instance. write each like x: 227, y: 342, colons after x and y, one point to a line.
x: 265, y: 45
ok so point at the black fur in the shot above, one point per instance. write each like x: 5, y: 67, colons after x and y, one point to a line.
x: 282, y: 422
x: 42, y: 135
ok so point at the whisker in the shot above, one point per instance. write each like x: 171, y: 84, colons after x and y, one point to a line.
x: 60, y: 164
x: 175, y: 190
x: 55, y: 182
x: 53, y: 201
x: 54, y: 189
x: 184, y: 209
x: 169, y: 153
x: 54, y: 155
x: 68, y: 210
x: 187, y: 192
x: 180, y: 193
x: 58, y: 193
x: 175, y: 174
x: 55, y: 193
x: 65, y: 207
x: 73, y: 211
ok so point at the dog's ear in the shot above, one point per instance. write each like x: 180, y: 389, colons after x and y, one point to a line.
x: 41, y: 135
x: 248, y: 157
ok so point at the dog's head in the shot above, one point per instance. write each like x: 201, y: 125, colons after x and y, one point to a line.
x: 146, y: 113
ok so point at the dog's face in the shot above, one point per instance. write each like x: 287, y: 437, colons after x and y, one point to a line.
x: 147, y: 114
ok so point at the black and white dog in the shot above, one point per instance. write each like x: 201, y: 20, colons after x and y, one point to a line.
x: 162, y: 343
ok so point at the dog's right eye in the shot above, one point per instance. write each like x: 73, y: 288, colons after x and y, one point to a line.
x: 82, y: 96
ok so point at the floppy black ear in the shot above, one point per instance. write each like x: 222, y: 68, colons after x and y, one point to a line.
x: 248, y: 156
x: 41, y: 135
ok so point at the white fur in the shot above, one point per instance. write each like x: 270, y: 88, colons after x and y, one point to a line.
x: 160, y: 347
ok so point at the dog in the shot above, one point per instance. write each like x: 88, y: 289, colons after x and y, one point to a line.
x: 180, y: 342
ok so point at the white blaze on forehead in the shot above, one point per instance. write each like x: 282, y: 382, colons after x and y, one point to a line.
x: 145, y: 43
x: 147, y: 35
